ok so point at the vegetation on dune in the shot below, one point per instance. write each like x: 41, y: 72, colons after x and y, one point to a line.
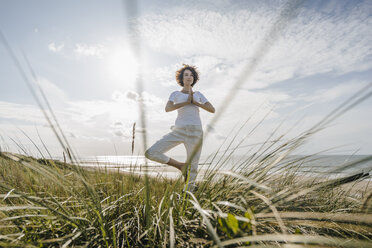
x: 46, y: 203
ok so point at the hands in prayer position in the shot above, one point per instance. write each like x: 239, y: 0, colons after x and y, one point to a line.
x: 190, y: 100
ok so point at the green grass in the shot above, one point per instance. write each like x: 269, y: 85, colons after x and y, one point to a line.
x: 46, y: 203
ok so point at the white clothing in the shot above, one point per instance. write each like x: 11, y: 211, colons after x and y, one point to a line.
x: 189, y: 114
x: 189, y: 135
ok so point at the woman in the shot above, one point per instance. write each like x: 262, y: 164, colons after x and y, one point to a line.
x: 188, y: 127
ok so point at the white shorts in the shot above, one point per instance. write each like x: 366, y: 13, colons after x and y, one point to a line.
x: 189, y: 135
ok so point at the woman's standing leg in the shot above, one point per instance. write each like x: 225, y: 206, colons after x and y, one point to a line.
x: 193, y: 147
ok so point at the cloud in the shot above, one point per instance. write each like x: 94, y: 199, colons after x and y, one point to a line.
x: 97, y: 51
x: 225, y: 41
x: 71, y: 135
x: 83, y: 120
x: 120, y: 134
x: 52, y: 46
x: 164, y: 75
x: 21, y: 112
x: 213, y: 131
x: 52, y: 91
x: 222, y: 43
x: 132, y: 96
x: 337, y: 91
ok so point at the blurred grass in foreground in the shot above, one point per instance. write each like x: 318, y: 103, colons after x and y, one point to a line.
x: 46, y: 203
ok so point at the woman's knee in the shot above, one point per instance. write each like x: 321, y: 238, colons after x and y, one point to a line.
x: 156, y: 156
x: 149, y: 153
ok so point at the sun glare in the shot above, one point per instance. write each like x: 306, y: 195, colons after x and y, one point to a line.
x: 122, y: 66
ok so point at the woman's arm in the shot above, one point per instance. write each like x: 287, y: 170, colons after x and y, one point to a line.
x: 207, y: 106
x: 171, y: 106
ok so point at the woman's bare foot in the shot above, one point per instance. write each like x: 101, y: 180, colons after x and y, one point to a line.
x: 181, y: 166
x: 184, y: 171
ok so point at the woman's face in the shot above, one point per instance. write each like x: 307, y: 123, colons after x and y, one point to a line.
x: 188, y: 78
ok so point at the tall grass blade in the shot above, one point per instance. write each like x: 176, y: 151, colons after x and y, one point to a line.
x: 171, y: 229
x: 131, y: 9
x: 273, y: 208
x: 203, y: 213
x: 300, y: 239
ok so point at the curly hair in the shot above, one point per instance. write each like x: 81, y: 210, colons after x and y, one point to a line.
x: 194, y: 71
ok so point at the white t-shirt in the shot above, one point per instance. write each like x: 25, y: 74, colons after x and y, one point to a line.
x: 189, y: 114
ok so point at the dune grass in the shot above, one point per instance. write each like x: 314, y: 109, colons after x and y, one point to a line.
x: 46, y: 203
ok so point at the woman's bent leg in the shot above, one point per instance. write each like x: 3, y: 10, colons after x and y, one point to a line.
x: 157, y: 150
x: 179, y: 165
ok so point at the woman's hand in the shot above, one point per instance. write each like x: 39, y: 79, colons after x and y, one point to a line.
x: 190, y: 99
x: 172, y: 106
x: 207, y: 106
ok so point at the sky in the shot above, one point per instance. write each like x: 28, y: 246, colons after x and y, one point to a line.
x: 88, y: 55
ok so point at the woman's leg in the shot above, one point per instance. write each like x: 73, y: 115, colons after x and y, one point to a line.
x: 157, y: 150
x: 179, y: 165
x: 193, y: 148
